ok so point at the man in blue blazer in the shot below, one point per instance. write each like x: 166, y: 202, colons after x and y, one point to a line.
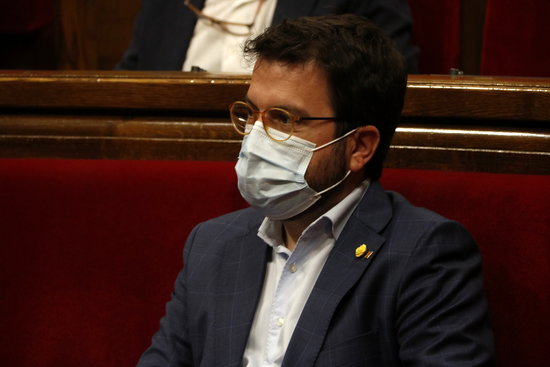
x: 326, y: 268
x: 163, y: 29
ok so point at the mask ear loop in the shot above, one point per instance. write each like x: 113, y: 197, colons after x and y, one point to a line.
x: 333, y: 186
x: 347, y: 173
x: 334, y: 141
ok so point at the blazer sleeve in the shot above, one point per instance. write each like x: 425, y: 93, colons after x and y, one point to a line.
x: 442, y: 317
x: 170, y: 346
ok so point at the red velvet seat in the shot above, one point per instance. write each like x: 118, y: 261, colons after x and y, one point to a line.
x: 90, y: 250
x: 509, y: 216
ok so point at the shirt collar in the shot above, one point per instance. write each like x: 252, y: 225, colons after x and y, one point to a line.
x: 333, y: 220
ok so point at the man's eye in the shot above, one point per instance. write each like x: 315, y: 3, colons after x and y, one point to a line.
x: 243, y: 114
x: 280, y: 117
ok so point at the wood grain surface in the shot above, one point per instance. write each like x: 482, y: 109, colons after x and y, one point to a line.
x: 463, y: 123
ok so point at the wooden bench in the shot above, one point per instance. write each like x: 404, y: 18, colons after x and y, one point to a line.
x: 453, y: 123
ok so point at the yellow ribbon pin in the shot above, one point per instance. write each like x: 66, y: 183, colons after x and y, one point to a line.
x: 360, y: 251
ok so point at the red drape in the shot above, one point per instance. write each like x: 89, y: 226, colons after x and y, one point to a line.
x: 436, y: 30
x: 516, y: 38
x: 24, y: 16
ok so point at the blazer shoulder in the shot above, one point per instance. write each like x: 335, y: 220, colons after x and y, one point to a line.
x: 412, y: 226
x: 403, y: 208
x: 232, y: 225
x: 242, y: 219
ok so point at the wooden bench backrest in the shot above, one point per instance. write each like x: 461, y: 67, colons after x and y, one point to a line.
x: 457, y: 123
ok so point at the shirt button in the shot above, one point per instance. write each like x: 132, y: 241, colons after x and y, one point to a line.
x: 293, y: 268
x: 280, y: 322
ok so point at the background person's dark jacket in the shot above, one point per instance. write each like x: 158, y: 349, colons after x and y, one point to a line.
x: 163, y: 29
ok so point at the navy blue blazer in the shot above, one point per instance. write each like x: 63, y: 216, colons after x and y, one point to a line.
x: 417, y: 301
x: 163, y: 28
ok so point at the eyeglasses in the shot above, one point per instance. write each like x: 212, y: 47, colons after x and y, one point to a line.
x: 234, y: 28
x: 279, y: 124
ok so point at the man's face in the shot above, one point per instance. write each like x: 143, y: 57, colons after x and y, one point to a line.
x: 302, y: 90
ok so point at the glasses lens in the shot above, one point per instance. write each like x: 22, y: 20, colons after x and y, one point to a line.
x: 278, y: 123
x: 241, y: 116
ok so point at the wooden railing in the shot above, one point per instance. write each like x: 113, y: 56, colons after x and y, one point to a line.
x: 449, y: 123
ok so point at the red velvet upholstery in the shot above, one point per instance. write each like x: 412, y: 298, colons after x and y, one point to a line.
x: 509, y: 216
x: 436, y: 30
x: 90, y: 250
x: 516, y: 38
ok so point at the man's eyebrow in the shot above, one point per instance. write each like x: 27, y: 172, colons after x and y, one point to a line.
x: 249, y: 101
x: 295, y: 110
x: 291, y: 109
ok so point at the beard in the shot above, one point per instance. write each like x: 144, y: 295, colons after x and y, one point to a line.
x: 328, y: 172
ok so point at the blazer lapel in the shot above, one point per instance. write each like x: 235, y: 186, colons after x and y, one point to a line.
x: 240, y: 283
x: 341, y: 271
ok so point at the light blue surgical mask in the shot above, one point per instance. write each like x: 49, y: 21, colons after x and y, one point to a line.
x: 271, y: 174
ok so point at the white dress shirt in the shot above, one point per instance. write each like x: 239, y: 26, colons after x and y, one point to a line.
x: 215, y: 50
x: 290, y: 277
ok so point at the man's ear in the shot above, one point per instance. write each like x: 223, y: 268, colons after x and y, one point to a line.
x: 362, y: 146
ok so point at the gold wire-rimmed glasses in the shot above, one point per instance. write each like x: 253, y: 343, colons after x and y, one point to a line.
x: 226, y: 26
x: 279, y: 124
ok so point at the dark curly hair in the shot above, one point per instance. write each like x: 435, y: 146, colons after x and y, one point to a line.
x: 366, y: 74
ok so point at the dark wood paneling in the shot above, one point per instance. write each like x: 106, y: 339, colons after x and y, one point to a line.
x: 487, y: 98
x: 115, y: 90
x: 427, y: 96
x: 93, y: 34
x: 451, y: 123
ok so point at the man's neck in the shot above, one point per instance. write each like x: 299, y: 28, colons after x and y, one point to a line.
x: 294, y: 227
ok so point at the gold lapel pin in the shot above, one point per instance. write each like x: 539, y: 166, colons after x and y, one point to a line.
x: 360, y: 251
